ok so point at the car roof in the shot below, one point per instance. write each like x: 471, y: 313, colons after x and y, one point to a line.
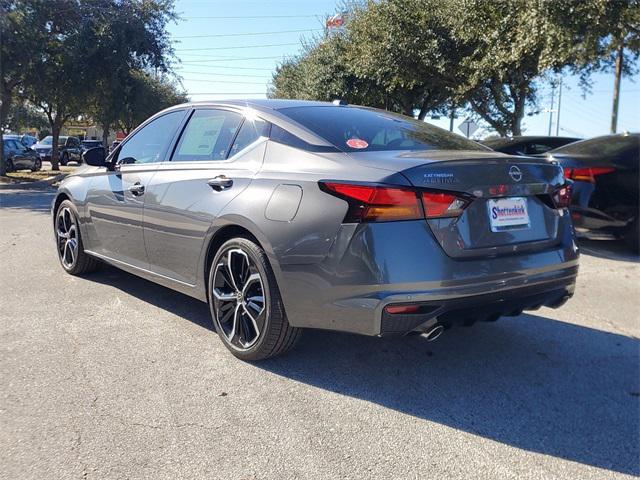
x: 259, y: 103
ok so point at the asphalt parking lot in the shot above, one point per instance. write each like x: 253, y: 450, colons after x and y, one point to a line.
x: 110, y: 376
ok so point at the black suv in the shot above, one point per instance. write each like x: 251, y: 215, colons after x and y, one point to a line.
x: 69, y: 149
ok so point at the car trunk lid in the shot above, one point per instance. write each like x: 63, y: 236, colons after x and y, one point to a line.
x: 520, y: 188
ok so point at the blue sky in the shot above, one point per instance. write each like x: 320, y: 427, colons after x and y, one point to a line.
x: 222, y: 58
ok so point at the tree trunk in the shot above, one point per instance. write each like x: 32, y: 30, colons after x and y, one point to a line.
x: 4, y: 111
x: 105, y: 135
x: 518, y: 111
x: 616, y: 88
x: 55, y: 133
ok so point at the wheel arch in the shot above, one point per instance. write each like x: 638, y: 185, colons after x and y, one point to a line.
x: 229, y: 228
x: 60, y: 197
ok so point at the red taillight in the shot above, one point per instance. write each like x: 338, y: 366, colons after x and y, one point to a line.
x: 372, y: 203
x: 586, y: 174
x: 562, y: 196
x: 369, y: 203
x: 438, y: 205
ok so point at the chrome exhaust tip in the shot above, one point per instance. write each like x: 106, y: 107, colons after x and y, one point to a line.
x: 433, y: 333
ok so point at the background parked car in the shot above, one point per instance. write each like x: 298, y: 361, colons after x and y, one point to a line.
x: 605, y: 189
x: 26, y: 140
x: 527, y: 145
x: 19, y: 157
x: 89, y: 144
x: 70, y: 149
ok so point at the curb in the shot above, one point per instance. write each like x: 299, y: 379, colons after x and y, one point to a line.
x: 40, y: 184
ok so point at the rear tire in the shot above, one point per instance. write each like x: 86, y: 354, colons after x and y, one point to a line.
x: 245, y: 303
x: 9, y: 165
x: 69, y: 246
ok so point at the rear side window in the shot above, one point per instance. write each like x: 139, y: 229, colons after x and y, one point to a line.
x: 353, y: 129
x: 149, y: 144
x: 207, y: 136
x: 251, y: 130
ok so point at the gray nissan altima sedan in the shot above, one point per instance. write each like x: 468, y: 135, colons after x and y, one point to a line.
x: 285, y: 215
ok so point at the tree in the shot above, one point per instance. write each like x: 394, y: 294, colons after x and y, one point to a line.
x: 408, y: 49
x: 121, y: 38
x: 609, y: 40
x: 56, y: 84
x: 16, y: 37
x: 323, y: 72
x: 144, y: 95
x: 509, y: 47
x: 22, y: 115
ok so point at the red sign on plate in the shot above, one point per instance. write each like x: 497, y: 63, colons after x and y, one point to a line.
x: 357, y: 143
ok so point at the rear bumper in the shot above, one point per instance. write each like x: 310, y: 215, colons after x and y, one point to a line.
x: 468, y: 310
x: 371, y: 266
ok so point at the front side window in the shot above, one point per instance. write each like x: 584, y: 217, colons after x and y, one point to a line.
x: 353, y: 129
x: 207, y: 136
x: 149, y: 143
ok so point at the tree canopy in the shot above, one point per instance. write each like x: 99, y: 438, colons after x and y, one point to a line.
x: 72, y: 57
x: 429, y: 55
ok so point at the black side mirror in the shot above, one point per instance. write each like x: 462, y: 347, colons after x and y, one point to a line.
x: 95, y: 157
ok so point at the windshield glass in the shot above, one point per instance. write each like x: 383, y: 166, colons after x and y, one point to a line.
x: 91, y: 143
x: 353, y: 129
x: 47, y: 141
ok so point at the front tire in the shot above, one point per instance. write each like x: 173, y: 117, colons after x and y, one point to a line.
x: 245, y: 303
x: 37, y: 165
x: 64, y: 159
x: 9, y: 165
x: 69, y: 243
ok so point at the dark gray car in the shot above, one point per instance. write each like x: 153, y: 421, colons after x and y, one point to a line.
x: 286, y: 215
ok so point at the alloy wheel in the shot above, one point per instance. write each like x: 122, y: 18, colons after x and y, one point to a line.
x: 238, y: 299
x: 67, y: 236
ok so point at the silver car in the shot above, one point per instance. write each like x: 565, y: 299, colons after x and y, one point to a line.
x: 285, y: 215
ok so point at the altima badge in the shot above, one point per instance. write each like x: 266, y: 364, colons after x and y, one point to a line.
x: 515, y: 173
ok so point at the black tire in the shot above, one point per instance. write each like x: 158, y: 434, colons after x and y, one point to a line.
x: 64, y: 159
x: 632, y: 236
x: 9, y: 165
x: 73, y: 258
x: 37, y: 165
x: 275, y: 335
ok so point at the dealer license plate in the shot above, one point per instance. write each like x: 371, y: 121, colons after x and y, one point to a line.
x: 508, y: 213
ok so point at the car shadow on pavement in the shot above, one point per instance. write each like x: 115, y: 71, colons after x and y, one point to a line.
x: 529, y: 382
x: 170, y: 300
x: 608, y: 249
x: 36, y: 200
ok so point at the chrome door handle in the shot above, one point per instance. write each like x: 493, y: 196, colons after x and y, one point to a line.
x: 220, y: 183
x: 137, y: 189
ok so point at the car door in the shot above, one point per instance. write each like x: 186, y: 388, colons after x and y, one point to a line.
x: 20, y: 161
x: 207, y: 170
x: 23, y: 153
x: 116, y: 197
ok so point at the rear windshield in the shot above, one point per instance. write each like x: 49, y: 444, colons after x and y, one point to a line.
x: 353, y: 129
